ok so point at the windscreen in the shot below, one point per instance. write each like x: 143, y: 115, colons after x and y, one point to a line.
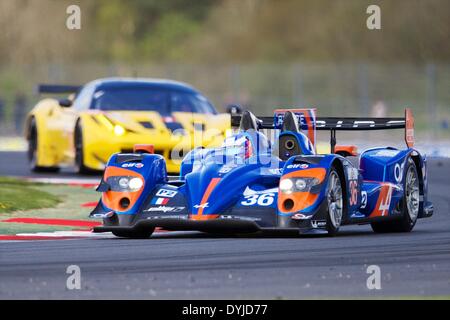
x: 190, y: 102
x: 133, y: 99
x: 150, y: 99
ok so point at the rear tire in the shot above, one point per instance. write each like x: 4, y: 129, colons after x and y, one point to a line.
x: 409, y: 205
x: 33, y: 150
x: 133, y: 234
x: 335, y: 203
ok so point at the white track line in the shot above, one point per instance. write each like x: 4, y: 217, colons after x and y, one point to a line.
x: 64, y: 234
x: 73, y: 235
x: 66, y: 181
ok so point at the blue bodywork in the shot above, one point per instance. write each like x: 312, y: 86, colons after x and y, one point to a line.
x: 237, y: 185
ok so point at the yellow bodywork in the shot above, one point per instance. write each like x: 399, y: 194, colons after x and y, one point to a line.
x: 106, y: 133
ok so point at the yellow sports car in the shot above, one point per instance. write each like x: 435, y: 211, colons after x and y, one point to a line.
x: 112, y: 115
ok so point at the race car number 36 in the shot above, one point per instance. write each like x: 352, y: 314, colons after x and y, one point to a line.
x: 262, y: 200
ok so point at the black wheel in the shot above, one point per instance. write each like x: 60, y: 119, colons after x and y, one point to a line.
x: 79, y: 151
x: 335, y: 202
x: 33, y: 150
x: 134, y: 234
x: 409, y: 205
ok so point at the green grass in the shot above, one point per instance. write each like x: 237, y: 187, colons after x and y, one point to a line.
x: 19, y: 195
x: 21, y: 199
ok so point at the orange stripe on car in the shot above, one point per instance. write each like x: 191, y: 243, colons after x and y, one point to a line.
x: 318, y: 173
x: 205, y: 217
x: 207, y: 193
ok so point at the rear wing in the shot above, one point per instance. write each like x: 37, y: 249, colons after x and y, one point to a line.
x: 308, y: 121
x: 57, y: 89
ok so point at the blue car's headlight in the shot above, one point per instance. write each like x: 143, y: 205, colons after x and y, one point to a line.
x: 125, y: 184
x: 291, y: 185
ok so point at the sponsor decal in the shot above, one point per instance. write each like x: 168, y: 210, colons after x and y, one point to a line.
x: 159, y: 201
x: 357, y: 215
x: 300, y: 216
x: 409, y: 128
x: 165, y: 209
x: 168, y: 217
x: 133, y: 165
x: 398, y: 172
x: 103, y: 215
x: 204, y: 205
x: 298, y: 166
x: 229, y: 217
x: 166, y: 193
x: 318, y: 223
x: 352, y: 175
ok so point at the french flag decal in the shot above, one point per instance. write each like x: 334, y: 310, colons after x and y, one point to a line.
x: 160, y: 201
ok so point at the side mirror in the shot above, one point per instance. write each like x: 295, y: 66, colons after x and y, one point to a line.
x: 65, y: 103
x: 234, y: 109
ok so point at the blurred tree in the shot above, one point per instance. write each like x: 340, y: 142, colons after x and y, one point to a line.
x: 147, y: 29
x: 223, y: 30
x: 324, y: 30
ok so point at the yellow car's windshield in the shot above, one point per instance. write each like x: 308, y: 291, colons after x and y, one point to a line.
x: 145, y: 99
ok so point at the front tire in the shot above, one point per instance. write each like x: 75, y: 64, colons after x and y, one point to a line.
x: 409, y: 205
x: 80, y: 167
x: 335, y: 203
x: 33, y: 150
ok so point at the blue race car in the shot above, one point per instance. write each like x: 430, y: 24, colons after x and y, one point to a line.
x: 253, y: 185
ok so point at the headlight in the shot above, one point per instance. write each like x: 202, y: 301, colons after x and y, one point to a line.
x: 125, y: 184
x: 287, y: 186
x: 119, y: 130
x: 300, y: 184
x: 135, y: 184
x: 291, y: 185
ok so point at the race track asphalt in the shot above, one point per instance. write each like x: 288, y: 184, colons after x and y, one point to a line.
x: 198, y: 266
x: 15, y: 163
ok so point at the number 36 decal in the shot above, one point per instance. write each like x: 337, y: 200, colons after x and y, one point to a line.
x: 262, y: 200
x: 353, y: 184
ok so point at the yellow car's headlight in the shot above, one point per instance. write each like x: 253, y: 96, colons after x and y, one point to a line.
x: 119, y: 130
